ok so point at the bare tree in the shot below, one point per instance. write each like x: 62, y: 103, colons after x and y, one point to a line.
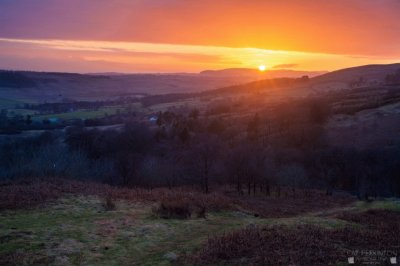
x: 202, y: 157
x: 294, y: 176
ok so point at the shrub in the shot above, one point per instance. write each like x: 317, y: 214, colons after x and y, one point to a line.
x: 200, y: 211
x: 109, y: 204
x: 174, y: 209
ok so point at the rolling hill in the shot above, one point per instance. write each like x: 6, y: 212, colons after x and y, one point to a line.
x: 53, y: 87
x: 368, y: 72
x: 25, y: 86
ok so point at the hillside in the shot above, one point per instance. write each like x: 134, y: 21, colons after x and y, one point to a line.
x: 32, y: 87
x: 53, y: 87
x: 368, y: 72
x: 319, y: 82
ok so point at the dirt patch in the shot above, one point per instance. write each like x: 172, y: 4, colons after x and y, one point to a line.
x: 106, y: 228
x: 24, y: 258
x: 66, y: 247
x: 150, y: 228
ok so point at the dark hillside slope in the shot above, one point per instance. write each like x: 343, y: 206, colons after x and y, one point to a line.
x: 53, y: 87
x: 369, y: 72
x: 14, y: 79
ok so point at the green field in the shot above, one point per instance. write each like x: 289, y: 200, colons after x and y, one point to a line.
x: 77, y: 230
x: 7, y: 103
x: 90, y: 114
x: 83, y: 114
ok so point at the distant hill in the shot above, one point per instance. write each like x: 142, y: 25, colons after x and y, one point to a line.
x: 264, y: 84
x: 368, y: 72
x: 53, y: 87
x: 256, y: 74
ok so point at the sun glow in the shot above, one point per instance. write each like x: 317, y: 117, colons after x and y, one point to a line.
x: 262, y: 68
x: 128, y: 57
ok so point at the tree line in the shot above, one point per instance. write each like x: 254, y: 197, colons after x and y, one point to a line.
x: 263, y: 152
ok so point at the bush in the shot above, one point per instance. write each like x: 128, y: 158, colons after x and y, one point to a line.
x: 109, y: 204
x: 200, y: 211
x: 180, y: 208
x: 173, y: 209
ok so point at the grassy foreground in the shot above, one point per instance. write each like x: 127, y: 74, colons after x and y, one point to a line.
x: 78, y: 230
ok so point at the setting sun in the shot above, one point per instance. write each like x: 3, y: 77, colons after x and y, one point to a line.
x: 262, y: 68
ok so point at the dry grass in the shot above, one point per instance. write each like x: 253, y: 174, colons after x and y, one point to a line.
x: 378, y: 230
x: 132, y: 235
x: 180, y: 208
x: 28, y: 194
x: 289, y: 205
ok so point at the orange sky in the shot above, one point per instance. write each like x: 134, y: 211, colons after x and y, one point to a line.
x: 189, y: 36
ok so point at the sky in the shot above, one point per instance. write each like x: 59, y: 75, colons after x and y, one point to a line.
x: 193, y: 35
